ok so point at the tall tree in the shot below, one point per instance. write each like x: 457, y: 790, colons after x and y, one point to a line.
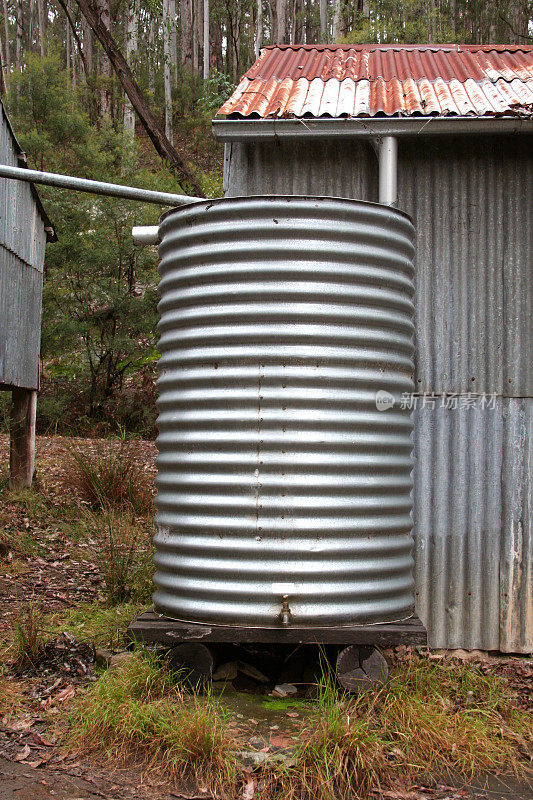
x: 150, y: 123
x: 167, y: 80
x: 132, y: 27
x: 336, y: 27
x: 259, y: 28
x: 42, y: 27
x: 104, y: 10
x: 323, y: 7
x: 8, y: 49
x: 19, y: 41
x: 206, y: 39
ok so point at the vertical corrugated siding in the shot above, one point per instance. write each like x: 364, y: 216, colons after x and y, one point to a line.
x: 20, y: 321
x: 21, y: 227
x: 472, y: 206
x: 22, y: 245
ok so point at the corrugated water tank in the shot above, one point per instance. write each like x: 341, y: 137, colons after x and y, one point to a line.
x: 284, y: 467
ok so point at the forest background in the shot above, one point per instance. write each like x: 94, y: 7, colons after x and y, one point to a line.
x: 124, y: 91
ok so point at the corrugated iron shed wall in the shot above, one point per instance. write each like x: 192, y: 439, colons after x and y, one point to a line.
x: 22, y: 244
x: 472, y: 205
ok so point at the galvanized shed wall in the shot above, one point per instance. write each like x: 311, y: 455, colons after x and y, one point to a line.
x: 471, y: 202
x: 22, y: 244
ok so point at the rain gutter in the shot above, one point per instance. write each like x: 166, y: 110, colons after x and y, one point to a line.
x: 246, y: 130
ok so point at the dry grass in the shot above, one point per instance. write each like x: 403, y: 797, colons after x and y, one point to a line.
x: 429, y: 720
x: 110, y: 475
x: 28, y: 640
x: 123, y: 553
x: 139, y: 710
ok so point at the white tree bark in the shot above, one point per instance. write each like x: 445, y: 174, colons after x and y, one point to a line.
x: 173, y: 42
x: 281, y: 21
x: 87, y: 38
x: 68, y: 46
x: 336, y: 30
x: 105, y: 65
x: 19, y: 36
x: 8, y: 48
x: 323, y: 21
x: 132, y: 27
x: 42, y: 26
x: 167, y: 70
x: 259, y: 28
x: 206, y: 40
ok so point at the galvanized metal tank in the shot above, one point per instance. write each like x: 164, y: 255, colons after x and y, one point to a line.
x: 285, y: 323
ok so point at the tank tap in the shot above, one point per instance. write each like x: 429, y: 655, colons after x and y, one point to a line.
x: 285, y: 614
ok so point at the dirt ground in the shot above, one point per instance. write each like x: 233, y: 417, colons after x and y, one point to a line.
x: 58, y: 573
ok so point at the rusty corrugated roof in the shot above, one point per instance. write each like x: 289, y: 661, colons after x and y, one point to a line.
x: 385, y: 80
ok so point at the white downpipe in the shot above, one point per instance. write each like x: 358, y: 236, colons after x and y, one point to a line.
x: 387, y: 148
x: 145, y: 234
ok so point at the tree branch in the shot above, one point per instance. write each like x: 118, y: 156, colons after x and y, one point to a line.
x: 75, y: 35
x: 151, y: 124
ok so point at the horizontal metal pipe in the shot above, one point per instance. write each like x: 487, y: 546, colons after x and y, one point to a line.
x: 241, y: 130
x: 95, y: 187
x: 145, y: 234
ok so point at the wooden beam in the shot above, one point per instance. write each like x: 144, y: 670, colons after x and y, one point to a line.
x: 22, y: 438
x: 150, y: 627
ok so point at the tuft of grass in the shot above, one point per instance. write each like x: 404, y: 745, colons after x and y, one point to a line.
x: 339, y: 757
x: 139, y: 709
x: 28, y: 635
x: 110, y: 475
x: 89, y: 622
x: 123, y: 553
x: 428, y: 721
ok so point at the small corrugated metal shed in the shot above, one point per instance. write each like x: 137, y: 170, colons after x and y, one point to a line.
x: 305, y: 120
x: 24, y: 231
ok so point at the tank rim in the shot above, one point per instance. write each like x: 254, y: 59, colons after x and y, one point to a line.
x: 322, y: 198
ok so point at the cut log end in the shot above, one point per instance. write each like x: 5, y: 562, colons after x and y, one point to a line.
x: 360, y: 668
x: 193, y: 661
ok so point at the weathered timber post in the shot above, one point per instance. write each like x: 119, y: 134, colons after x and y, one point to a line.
x: 22, y: 438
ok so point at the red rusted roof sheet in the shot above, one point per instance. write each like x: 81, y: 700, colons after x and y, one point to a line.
x: 386, y: 80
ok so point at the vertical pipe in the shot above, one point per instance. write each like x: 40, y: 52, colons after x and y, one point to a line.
x: 388, y: 170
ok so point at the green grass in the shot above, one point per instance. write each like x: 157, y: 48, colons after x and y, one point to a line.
x: 90, y: 622
x: 140, y: 709
x: 428, y: 721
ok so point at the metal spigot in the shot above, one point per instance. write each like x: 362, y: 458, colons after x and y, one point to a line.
x: 285, y: 614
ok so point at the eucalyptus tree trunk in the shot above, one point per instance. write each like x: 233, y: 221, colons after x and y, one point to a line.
x: 151, y: 46
x: 336, y: 30
x: 132, y: 27
x: 186, y: 32
x: 197, y: 6
x: 173, y: 43
x: 140, y: 103
x: 323, y: 21
x: 206, y: 39
x: 87, y: 39
x: 68, y: 47
x: 2, y: 79
x: 281, y: 14
x: 42, y: 27
x: 259, y: 28
x: 19, y: 36
x: 105, y: 64
x: 166, y: 70
x: 8, y: 48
